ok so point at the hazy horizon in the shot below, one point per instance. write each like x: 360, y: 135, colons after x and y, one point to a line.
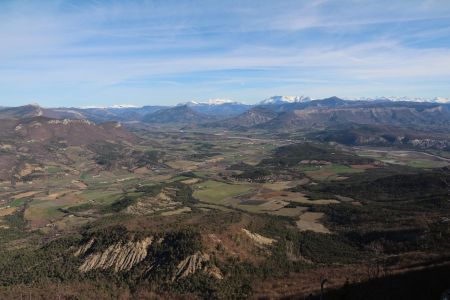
x: 254, y: 102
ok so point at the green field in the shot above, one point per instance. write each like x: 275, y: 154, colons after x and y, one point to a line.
x: 18, y: 202
x: 330, y: 172
x: 215, y: 192
x: 101, y: 197
x: 427, y: 164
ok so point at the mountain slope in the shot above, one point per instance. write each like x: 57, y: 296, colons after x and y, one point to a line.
x: 284, y: 100
x: 34, y: 110
x: 218, y: 108
x: 382, y: 135
x: 27, y: 145
x: 182, y: 114
x: 331, y: 102
x: 123, y: 114
x: 98, y: 115
x: 248, y: 119
x: 73, y: 132
x: 398, y: 116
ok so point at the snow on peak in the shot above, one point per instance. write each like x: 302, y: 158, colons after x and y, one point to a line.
x: 218, y: 101
x: 209, y: 102
x: 116, y: 106
x: 285, y: 99
x: 123, y: 106
x: 441, y: 100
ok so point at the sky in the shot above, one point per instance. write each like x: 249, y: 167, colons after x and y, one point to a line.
x: 101, y: 53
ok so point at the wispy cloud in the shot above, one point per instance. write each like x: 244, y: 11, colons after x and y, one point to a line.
x: 95, y: 52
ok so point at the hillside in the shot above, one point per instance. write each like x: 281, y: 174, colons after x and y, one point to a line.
x: 182, y: 114
x: 27, y: 145
x: 248, y: 119
x: 218, y: 108
x: 72, y: 132
x: 98, y: 115
x: 123, y: 114
x: 396, y: 115
x: 34, y: 110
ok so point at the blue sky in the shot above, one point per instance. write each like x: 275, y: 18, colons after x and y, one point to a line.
x: 87, y: 53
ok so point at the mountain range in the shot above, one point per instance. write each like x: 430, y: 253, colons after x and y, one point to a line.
x: 275, y: 113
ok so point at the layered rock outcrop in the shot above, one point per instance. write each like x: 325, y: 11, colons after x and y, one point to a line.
x: 121, y: 256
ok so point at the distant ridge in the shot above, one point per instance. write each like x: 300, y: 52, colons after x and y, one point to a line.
x: 238, y: 115
x: 284, y: 99
x: 441, y: 100
x: 210, y: 102
x: 181, y: 114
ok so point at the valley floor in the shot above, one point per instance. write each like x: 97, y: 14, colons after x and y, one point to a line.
x: 196, y: 214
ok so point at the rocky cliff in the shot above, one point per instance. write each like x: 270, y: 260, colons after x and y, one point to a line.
x: 195, y: 263
x: 124, y: 255
x: 121, y: 256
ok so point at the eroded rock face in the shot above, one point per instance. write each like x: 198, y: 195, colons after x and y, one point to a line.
x: 84, y: 248
x: 194, y: 263
x: 121, y: 256
x: 258, y: 239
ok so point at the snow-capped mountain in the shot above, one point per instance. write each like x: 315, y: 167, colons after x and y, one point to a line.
x: 441, y: 100
x: 405, y: 98
x: 124, y: 106
x: 115, y: 106
x: 217, y: 107
x: 419, y: 99
x: 210, y: 102
x: 284, y: 99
